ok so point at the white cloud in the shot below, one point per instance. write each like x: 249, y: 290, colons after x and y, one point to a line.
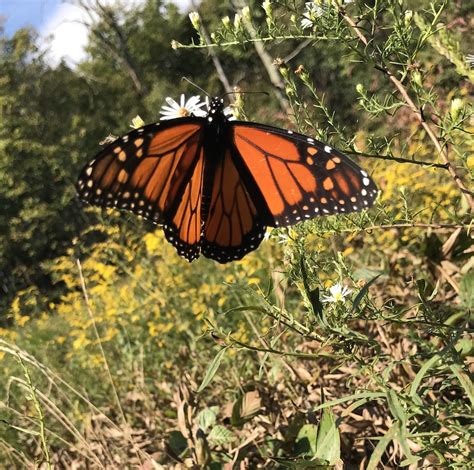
x: 68, y: 37
x: 184, y: 5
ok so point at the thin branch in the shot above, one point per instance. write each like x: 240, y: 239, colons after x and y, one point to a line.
x: 106, y: 364
x: 121, y: 53
x: 215, y: 58
x: 267, y: 61
x: 410, y: 225
x: 256, y: 39
x: 468, y: 195
x: 298, y: 49
x: 443, y: 166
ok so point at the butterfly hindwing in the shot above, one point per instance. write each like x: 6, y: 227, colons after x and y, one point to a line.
x: 300, y: 177
x: 233, y: 226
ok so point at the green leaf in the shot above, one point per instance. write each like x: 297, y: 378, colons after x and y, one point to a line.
x: 177, y: 443
x: 363, y: 292
x: 18, y: 428
x: 366, y: 273
x: 328, y: 443
x: 398, y: 412
x: 212, y: 369
x: 421, y: 373
x: 465, y: 382
x: 367, y: 396
x: 207, y: 418
x: 220, y: 435
x: 377, y: 454
x: 467, y: 290
x: 396, y: 408
x: 305, y: 443
x: 301, y: 463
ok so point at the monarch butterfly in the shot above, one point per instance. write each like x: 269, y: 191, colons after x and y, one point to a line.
x: 215, y: 184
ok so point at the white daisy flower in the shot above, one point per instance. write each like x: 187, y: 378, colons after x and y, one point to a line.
x: 190, y: 107
x: 229, y: 113
x: 313, y: 10
x: 470, y: 60
x: 268, y: 234
x: 338, y: 294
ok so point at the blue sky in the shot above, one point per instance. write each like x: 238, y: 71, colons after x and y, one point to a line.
x: 19, y: 13
x: 57, y: 20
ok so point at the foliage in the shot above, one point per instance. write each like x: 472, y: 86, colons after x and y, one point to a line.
x: 128, y: 355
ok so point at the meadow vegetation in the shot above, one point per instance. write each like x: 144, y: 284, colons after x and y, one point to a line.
x: 116, y: 353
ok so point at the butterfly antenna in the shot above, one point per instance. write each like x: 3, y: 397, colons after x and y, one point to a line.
x: 196, y: 86
x: 245, y: 93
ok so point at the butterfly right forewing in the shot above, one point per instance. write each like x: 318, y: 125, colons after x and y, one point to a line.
x: 300, y: 177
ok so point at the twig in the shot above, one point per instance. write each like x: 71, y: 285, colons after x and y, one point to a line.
x: 107, y: 368
x: 39, y: 412
x: 412, y: 225
x: 298, y: 49
x: 120, y: 52
x: 307, y: 356
x: 443, y: 166
x: 215, y: 58
x: 265, y: 344
x: 267, y: 61
x: 419, y: 116
x: 281, y: 37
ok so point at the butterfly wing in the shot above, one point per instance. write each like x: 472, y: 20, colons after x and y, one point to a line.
x: 235, y: 220
x: 300, y: 177
x: 156, y: 172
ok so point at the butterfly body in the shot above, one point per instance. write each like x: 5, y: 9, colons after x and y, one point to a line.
x: 216, y: 184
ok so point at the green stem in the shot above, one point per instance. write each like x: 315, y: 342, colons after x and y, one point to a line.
x: 39, y: 412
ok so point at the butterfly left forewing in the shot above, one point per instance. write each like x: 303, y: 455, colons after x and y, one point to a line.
x: 145, y: 170
x: 300, y: 177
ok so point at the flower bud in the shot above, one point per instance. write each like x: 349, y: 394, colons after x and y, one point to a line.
x: 246, y: 14
x: 237, y: 21
x: 226, y: 22
x: 416, y: 77
x: 408, y: 17
x: 195, y: 20
x: 137, y: 122
x: 456, y: 107
x: 267, y: 6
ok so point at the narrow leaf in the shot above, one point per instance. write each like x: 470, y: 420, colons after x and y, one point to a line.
x: 465, y: 381
x: 421, y: 373
x: 377, y: 454
x: 212, y: 369
x: 362, y: 293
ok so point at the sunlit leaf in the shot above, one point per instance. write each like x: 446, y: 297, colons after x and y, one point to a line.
x: 212, y: 369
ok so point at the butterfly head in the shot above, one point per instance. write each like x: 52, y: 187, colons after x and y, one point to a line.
x: 216, y: 106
